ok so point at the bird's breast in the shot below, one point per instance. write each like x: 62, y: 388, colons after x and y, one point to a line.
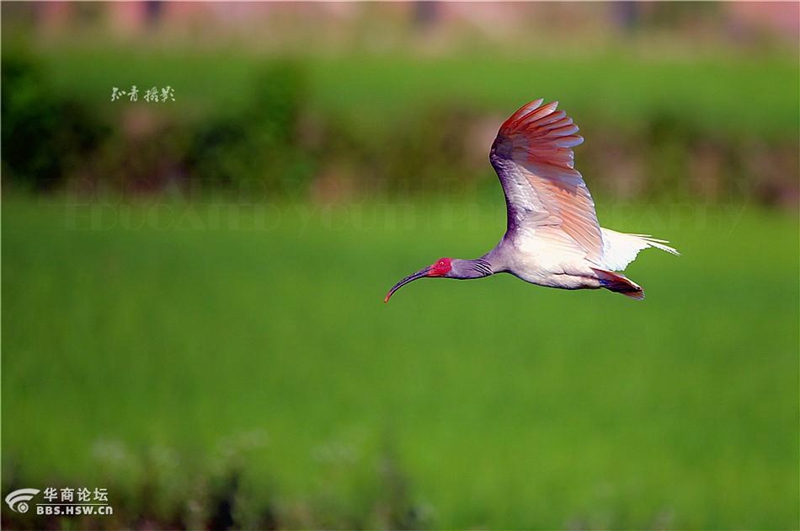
x: 536, y: 261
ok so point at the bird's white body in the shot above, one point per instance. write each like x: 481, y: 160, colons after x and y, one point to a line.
x: 548, y: 258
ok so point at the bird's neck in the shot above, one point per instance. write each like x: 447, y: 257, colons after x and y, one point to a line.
x: 477, y: 268
x: 496, y: 259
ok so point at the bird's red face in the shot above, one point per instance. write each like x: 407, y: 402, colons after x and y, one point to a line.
x: 439, y: 268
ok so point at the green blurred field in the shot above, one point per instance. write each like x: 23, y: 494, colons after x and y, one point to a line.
x: 152, y: 347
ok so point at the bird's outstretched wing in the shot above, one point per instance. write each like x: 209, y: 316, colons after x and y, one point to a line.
x: 533, y: 157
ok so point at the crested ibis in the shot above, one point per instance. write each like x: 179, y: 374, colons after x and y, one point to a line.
x: 552, y: 236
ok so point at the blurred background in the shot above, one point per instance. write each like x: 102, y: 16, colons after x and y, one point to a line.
x: 204, y: 204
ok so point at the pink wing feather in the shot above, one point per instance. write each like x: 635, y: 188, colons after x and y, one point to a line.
x: 536, y: 142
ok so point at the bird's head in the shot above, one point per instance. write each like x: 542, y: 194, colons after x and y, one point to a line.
x: 443, y: 267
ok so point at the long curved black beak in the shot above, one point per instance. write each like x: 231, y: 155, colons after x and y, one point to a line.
x: 422, y: 273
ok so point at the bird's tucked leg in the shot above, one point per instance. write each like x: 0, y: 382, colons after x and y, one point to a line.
x: 619, y: 284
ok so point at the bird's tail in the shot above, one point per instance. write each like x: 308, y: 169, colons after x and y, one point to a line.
x: 619, y: 284
x: 620, y: 249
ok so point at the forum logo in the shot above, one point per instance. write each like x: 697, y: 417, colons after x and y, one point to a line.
x: 18, y: 500
x: 65, y: 501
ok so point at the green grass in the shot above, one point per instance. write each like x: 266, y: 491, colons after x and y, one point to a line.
x: 718, y: 96
x: 153, y: 347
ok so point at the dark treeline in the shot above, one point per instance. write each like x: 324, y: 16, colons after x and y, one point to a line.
x: 276, y: 147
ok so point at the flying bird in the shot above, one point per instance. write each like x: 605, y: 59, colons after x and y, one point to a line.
x: 552, y: 236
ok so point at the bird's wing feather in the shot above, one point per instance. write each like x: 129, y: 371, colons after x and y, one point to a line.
x: 533, y: 157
